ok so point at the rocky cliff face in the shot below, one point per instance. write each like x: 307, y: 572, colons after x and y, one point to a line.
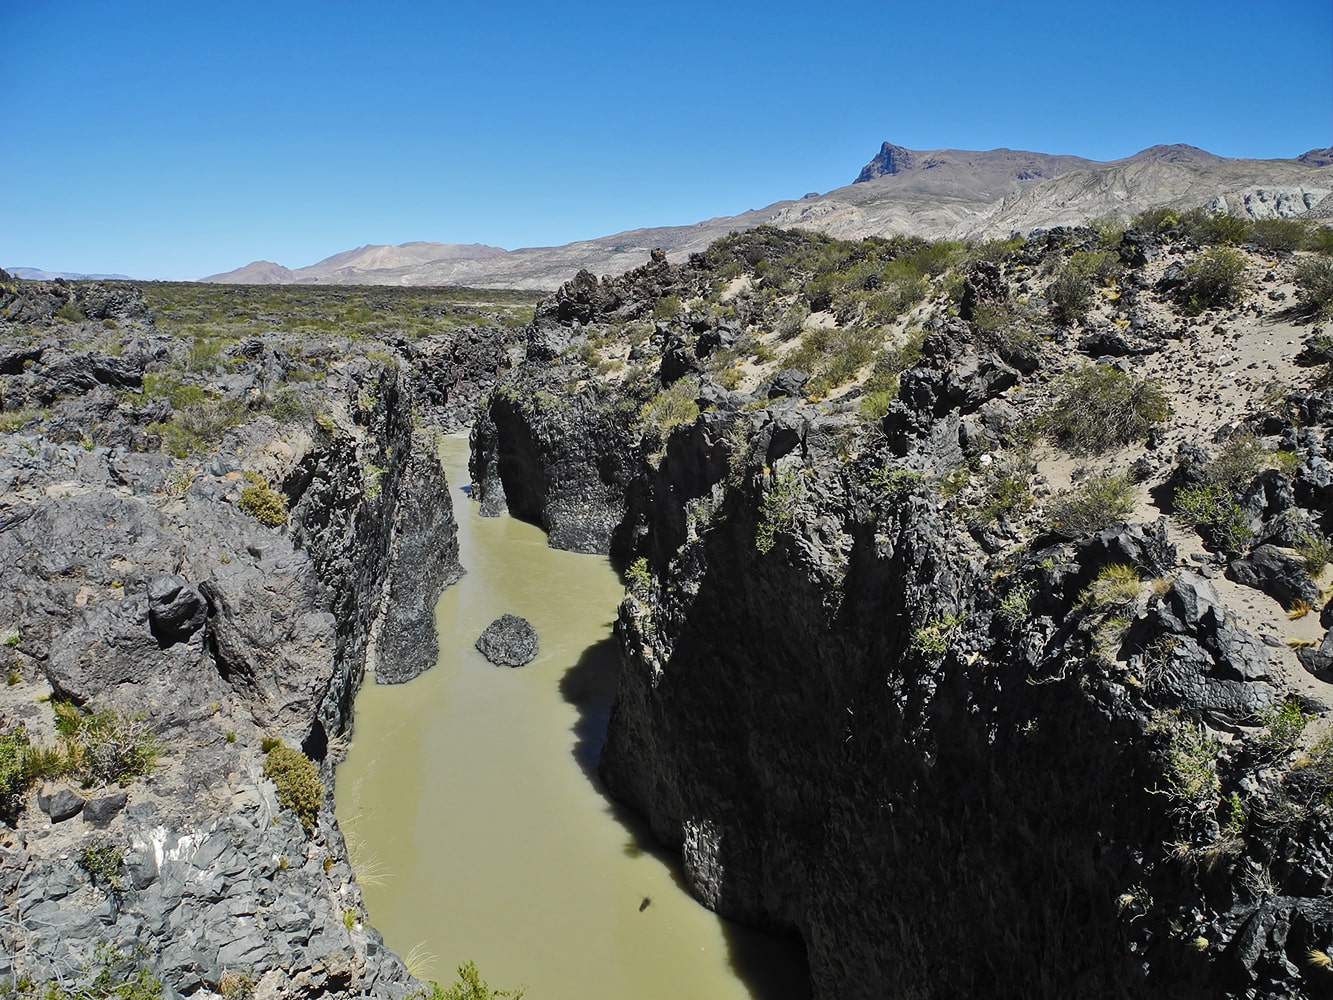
x: 880, y: 684
x: 200, y: 541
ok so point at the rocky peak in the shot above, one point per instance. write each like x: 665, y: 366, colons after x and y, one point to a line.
x: 1178, y: 152
x: 891, y: 159
x: 1317, y: 157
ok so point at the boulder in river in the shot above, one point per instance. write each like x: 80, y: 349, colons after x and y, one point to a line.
x: 509, y: 641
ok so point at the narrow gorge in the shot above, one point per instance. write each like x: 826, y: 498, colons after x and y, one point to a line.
x: 972, y: 628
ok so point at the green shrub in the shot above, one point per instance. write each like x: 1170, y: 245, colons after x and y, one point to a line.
x: 1314, y: 285
x: 1279, y: 235
x: 15, y: 774
x: 289, y: 404
x: 1092, y: 506
x: 667, y: 308
x: 103, y: 862
x: 676, y: 404
x: 297, y: 781
x: 262, y: 502
x: 1191, y: 766
x: 932, y: 639
x: 115, y: 746
x: 777, y: 510
x: 1070, y: 296
x: 470, y: 986
x: 1316, y: 552
x: 638, y: 578
x: 1283, y: 727
x: 833, y: 355
x: 118, y: 977
x: 1212, y: 509
x: 1099, y: 407
x: 1014, y: 607
x: 1115, y: 586
x: 1215, y: 279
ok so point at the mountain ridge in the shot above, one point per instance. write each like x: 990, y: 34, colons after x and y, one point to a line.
x: 934, y: 194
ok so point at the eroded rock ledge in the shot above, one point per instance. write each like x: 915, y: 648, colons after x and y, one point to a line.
x: 222, y: 598
x: 925, y: 737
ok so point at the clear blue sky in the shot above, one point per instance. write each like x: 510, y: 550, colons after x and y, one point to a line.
x: 178, y: 139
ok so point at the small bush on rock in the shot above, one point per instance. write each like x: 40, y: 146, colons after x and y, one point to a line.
x: 1098, y: 407
x: 1314, y: 285
x: 1213, y: 280
x: 1092, y: 506
x: 1114, y: 586
x: 297, y: 781
x: 262, y: 502
x: 1213, y: 510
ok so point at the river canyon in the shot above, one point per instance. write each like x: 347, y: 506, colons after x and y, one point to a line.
x: 475, y: 817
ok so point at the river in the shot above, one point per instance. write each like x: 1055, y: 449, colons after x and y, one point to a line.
x: 474, y: 815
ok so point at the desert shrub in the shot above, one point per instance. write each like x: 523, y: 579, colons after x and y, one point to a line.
x: 1003, y: 329
x: 793, y: 321
x: 289, y: 404
x: 470, y: 986
x: 1190, y: 771
x: 1006, y: 489
x: 1315, y: 550
x: 833, y: 355
x: 103, y: 861
x: 1156, y: 220
x: 667, y: 308
x: 1211, y: 508
x: 1239, y: 459
x: 1099, y: 407
x: 1283, y: 727
x: 1091, y: 506
x: 1070, y: 296
x: 1314, y: 285
x: 1279, y: 235
x: 1215, y: 279
x: 1214, y: 228
x: 168, y: 386
x: 675, y: 404
x: 115, y: 746
x: 932, y: 638
x: 1015, y: 606
x: 638, y: 578
x: 198, y: 426
x: 297, y: 780
x: 1115, y: 586
x: 262, y: 502
x: 15, y: 775
x: 777, y: 510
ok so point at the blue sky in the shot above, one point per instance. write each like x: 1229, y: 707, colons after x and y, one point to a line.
x: 175, y: 139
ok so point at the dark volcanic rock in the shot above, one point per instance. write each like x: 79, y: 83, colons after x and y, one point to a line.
x: 102, y: 809
x: 60, y: 803
x: 509, y: 641
x: 175, y: 609
x: 1278, y: 574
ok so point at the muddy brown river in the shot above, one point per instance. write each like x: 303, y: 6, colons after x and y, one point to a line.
x: 475, y: 818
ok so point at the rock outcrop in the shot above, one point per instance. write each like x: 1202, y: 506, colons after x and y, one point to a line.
x: 872, y: 697
x: 211, y: 602
x: 509, y: 641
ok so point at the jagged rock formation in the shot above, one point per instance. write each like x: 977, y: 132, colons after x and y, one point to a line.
x: 880, y: 685
x: 214, y: 599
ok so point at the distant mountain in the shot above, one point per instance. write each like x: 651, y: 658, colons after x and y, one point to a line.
x: 936, y: 193
x: 36, y: 274
x: 374, y: 264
